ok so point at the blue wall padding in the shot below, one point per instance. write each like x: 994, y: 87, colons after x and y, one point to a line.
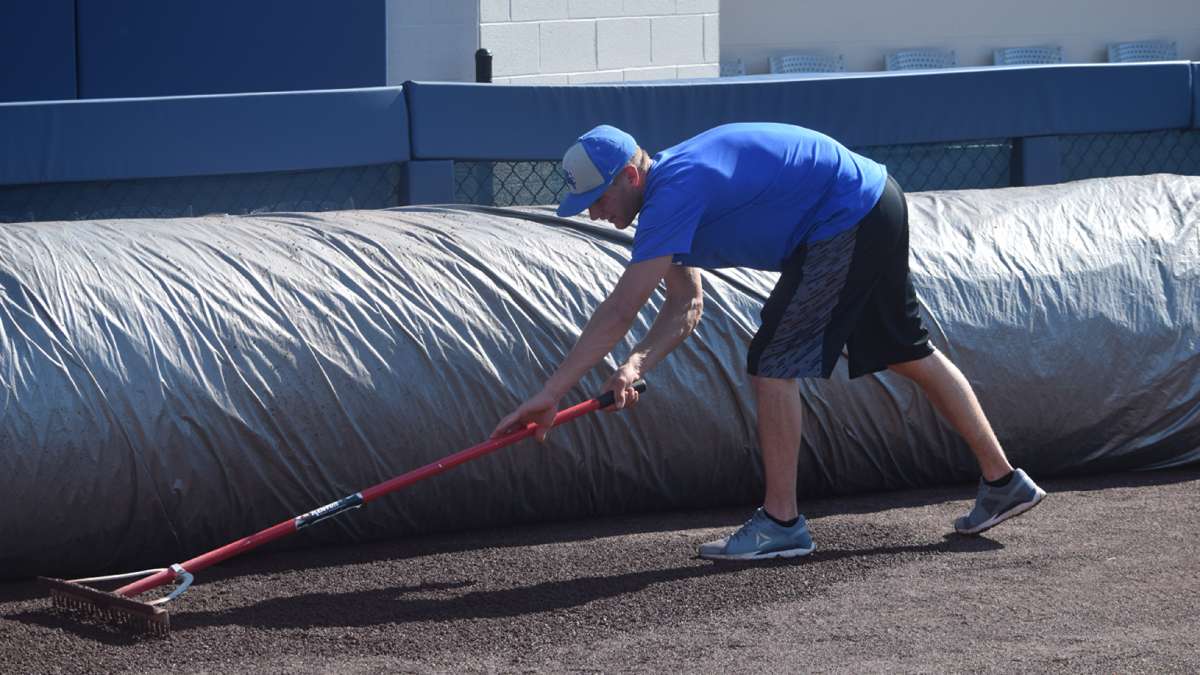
x: 451, y: 120
x: 1039, y: 160
x: 37, y: 50
x: 201, y: 135
x: 156, y: 48
x: 1196, y: 95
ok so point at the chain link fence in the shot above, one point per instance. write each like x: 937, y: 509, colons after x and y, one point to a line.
x: 946, y: 166
x: 357, y: 187
x: 936, y: 166
x: 508, y: 183
x: 933, y: 166
x: 1107, y: 155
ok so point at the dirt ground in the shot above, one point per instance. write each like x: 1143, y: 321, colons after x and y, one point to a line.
x: 1103, y: 576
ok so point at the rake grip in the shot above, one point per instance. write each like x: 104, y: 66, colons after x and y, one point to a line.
x: 607, y: 398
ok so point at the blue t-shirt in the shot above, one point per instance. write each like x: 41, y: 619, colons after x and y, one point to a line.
x: 746, y: 195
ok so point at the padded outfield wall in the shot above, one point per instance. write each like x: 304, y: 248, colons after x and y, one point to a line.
x: 486, y: 144
x: 959, y: 128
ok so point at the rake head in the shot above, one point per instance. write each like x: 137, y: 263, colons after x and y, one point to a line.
x: 110, y: 608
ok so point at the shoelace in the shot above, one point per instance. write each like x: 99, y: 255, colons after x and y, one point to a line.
x: 742, y: 532
x: 986, y: 501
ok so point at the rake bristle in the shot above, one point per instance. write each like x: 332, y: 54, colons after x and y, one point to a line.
x: 109, y: 608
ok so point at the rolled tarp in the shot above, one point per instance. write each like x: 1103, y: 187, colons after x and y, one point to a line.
x: 173, y: 384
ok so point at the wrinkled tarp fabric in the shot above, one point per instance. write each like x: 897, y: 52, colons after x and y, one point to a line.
x: 171, y: 385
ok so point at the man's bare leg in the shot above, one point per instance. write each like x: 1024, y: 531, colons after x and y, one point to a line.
x: 779, y: 422
x: 952, y: 396
x: 780, y: 418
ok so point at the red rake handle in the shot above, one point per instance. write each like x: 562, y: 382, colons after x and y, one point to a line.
x: 357, y: 499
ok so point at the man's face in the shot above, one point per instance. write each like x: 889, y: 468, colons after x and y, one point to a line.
x: 616, y: 205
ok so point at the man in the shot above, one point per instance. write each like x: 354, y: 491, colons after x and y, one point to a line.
x: 771, y: 197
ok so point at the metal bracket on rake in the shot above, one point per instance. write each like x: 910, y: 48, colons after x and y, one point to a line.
x: 148, y: 617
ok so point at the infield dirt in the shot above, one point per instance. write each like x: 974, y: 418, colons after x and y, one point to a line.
x: 1103, y: 576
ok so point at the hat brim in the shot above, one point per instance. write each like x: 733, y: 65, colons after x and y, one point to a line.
x: 576, y: 203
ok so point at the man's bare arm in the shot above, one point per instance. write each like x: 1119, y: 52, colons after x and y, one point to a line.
x: 676, y: 319
x: 609, y: 323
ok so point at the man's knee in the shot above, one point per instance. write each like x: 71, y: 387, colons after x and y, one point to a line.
x: 760, y: 381
x: 917, y: 369
x: 767, y: 385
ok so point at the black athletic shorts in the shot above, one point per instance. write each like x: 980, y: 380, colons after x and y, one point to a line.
x: 851, y: 290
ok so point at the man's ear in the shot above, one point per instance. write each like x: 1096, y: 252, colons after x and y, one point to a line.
x: 632, y: 175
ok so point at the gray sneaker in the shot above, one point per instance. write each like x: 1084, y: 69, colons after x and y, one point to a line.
x: 995, y: 505
x: 761, y: 538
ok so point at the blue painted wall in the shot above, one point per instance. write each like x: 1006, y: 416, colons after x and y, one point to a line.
x: 131, y: 48
x: 37, y: 50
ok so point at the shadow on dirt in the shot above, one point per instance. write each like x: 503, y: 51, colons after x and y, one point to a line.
x: 81, y: 626
x: 951, y: 543
x: 455, y: 601
x: 399, y: 605
x: 271, y: 560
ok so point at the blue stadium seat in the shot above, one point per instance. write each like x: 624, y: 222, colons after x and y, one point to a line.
x: 808, y: 62
x: 921, y: 58
x: 1024, y: 56
x: 1142, y: 50
x: 733, y: 68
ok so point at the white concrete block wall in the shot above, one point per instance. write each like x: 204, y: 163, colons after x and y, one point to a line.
x: 567, y: 46
x: 433, y: 39
x: 537, y: 10
x: 754, y: 30
x: 594, y: 9
x: 677, y: 40
x: 623, y: 43
x: 519, y: 42
x: 579, y: 41
x: 558, y: 41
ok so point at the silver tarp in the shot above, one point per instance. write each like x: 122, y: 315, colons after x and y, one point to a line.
x: 170, y: 385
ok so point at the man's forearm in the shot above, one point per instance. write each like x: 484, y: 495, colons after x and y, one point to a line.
x: 675, y: 321
x: 602, y: 332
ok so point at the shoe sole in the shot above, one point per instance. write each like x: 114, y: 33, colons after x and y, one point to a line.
x: 1007, y: 515
x: 789, y: 553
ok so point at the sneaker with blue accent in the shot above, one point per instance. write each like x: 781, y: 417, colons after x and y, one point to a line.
x: 994, y: 505
x: 761, y: 538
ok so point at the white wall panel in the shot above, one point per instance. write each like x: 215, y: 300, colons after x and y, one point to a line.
x: 677, y: 40
x: 577, y: 37
x: 538, y: 10
x: 568, y: 46
x: 592, y: 9
x: 433, y: 39
x: 754, y: 30
x: 514, y: 47
x: 621, y: 43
